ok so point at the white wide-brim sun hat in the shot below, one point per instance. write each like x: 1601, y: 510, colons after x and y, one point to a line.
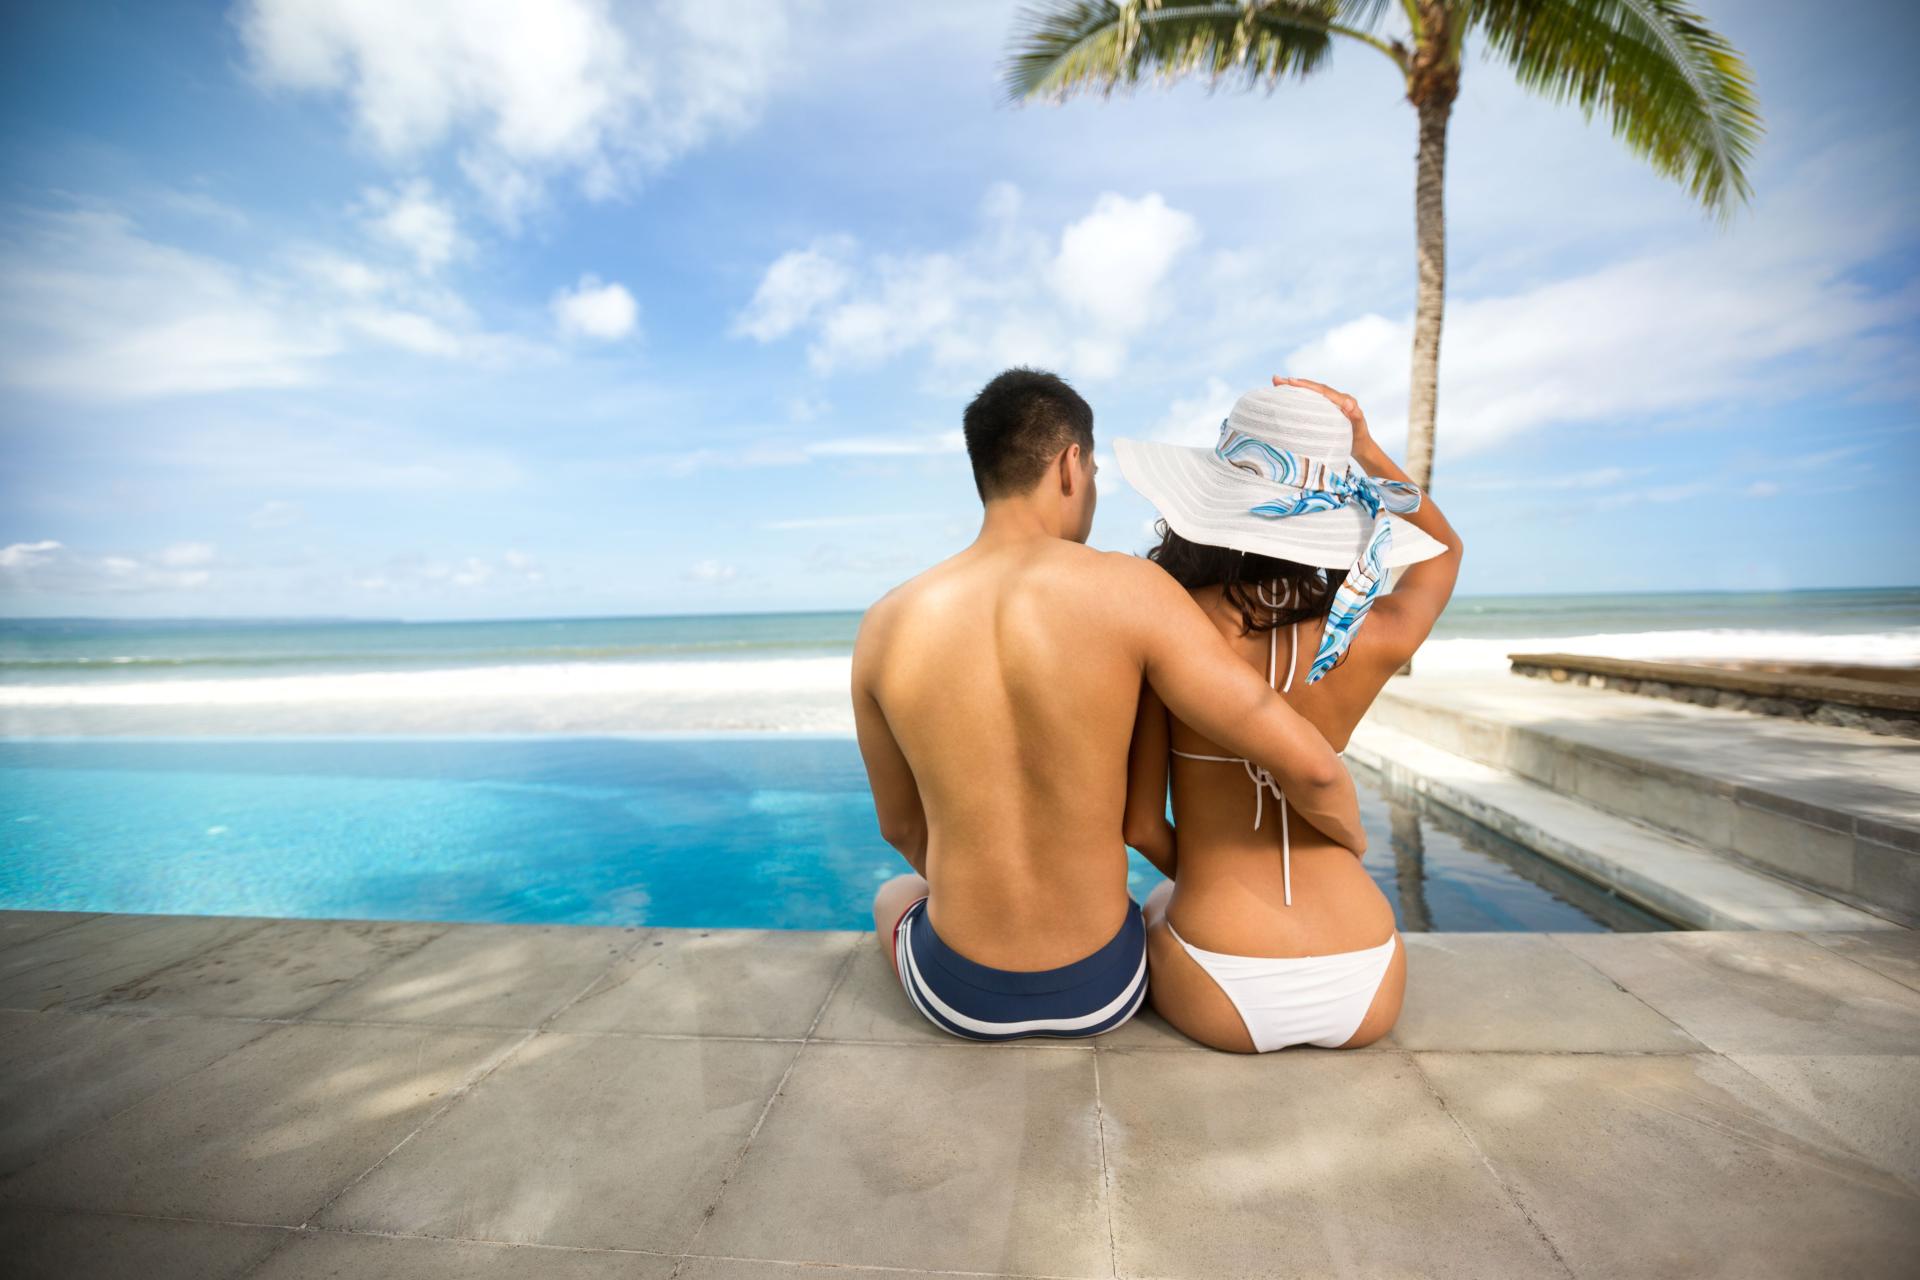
x: 1206, y: 499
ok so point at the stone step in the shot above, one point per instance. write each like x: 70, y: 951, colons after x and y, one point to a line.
x: 1664, y: 873
x: 1835, y: 810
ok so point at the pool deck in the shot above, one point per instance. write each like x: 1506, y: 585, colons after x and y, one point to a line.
x: 214, y: 1097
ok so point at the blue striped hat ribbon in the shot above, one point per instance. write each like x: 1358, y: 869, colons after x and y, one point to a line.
x: 1324, y: 487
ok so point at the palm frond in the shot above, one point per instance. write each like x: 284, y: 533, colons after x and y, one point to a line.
x: 1675, y: 91
x: 1063, y: 47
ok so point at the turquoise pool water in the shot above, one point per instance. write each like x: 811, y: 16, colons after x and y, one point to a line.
x: 746, y: 831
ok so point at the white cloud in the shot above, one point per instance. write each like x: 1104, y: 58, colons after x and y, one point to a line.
x: 184, y: 555
x: 837, y: 522
x: 275, y: 513
x: 1652, y: 334
x: 888, y: 446
x: 592, y: 309
x: 1763, y: 489
x: 1196, y: 421
x: 308, y: 451
x: 408, y: 330
x: 795, y: 287
x: 1009, y: 295
x: 343, y: 274
x: 94, y: 310
x: 524, y: 92
x: 412, y: 574
x: 48, y: 567
x: 1112, y: 261
x: 25, y: 555
x: 412, y: 218
x: 711, y: 573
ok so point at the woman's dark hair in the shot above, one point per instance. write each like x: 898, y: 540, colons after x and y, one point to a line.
x: 1305, y: 591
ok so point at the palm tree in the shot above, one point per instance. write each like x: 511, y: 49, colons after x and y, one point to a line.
x: 1674, y: 91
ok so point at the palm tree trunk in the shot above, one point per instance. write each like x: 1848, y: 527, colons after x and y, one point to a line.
x: 1432, y: 83
x: 1430, y: 241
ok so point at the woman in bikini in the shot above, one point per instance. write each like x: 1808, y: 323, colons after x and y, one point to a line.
x: 1269, y: 934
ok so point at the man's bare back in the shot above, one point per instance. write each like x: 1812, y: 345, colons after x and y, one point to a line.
x: 1011, y: 694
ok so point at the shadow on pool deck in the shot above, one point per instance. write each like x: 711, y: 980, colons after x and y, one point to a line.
x: 219, y: 1097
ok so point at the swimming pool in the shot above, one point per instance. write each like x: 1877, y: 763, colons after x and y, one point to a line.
x: 743, y: 831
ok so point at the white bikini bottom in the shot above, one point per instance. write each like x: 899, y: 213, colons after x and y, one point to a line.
x: 1318, y: 1000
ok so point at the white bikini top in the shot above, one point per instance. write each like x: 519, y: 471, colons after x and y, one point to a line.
x: 1263, y: 781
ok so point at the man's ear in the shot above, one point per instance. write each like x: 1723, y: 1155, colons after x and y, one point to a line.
x: 1069, y: 467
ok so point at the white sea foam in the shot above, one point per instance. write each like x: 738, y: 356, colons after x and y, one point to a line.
x: 756, y: 695
x: 772, y: 679
x: 667, y: 681
x: 1888, y: 648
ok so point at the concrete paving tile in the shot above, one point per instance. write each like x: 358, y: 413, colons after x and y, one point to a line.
x: 482, y: 976
x: 1893, y: 953
x: 1147, y: 1030
x: 268, y: 1133
x: 25, y: 926
x: 741, y: 1269
x: 1676, y: 1165
x: 717, y: 982
x: 1520, y: 991
x: 94, y: 955
x: 973, y: 1158
x: 870, y: 1006
x: 59, y: 1244
x: 278, y: 971
x: 330, y: 1255
x: 1299, y: 1164
x: 1872, y: 1103
x: 592, y: 1141
x: 61, y: 1073
x: 1759, y: 992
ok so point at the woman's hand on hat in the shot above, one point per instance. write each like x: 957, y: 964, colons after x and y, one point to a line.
x: 1341, y: 401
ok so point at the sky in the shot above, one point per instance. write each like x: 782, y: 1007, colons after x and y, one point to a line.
x: 462, y: 308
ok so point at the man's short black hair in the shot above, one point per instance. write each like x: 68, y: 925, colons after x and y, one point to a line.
x: 1017, y: 425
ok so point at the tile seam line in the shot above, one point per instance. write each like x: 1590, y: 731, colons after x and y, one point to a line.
x: 195, y: 954
x: 512, y: 1052
x: 1912, y: 1188
x: 811, y: 1265
x: 84, y: 917
x: 88, y: 1128
x: 1559, y: 940
x: 740, y: 1156
x: 297, y: 1233
x: 1106, y: 1170
x: 1473, y: 1143
x: 1851, y: 959
x: 146, y: 1015
x: 298, y: 1015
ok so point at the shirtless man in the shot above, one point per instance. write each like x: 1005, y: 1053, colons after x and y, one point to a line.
x: 994, y: 696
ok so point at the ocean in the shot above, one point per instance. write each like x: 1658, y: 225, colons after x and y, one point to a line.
x: 784, y: 671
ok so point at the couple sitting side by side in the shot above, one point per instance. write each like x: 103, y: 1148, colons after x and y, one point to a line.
x: 1025, y: 706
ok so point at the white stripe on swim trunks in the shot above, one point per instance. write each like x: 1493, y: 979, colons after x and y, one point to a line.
x: 1035, y: 1024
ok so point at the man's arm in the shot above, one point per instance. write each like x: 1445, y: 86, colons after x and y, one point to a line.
x: 896, y: 796
x: 1201, y: 680
x: 1145, y: 825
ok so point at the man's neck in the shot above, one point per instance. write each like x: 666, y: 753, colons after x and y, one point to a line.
x: 1013, y: 520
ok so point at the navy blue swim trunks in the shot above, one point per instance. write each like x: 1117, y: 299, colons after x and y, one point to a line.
x: 958, y: 995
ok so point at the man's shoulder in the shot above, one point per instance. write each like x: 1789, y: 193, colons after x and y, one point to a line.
x: 1109, y: 571
x: 899, y: 602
